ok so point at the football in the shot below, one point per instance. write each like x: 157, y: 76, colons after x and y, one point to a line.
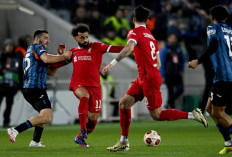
x: 152, y: 138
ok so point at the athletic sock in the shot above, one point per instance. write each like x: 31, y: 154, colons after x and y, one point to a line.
x: 91, y: 124
x: 37, y: 133
x: 230, y: 129
x: 83, y: 111
x: 123, y: 138
x: 224, y: 132
x: 172, y: 114
x: 24, y: 126
x: 190, y: 115
x: 125, y: 120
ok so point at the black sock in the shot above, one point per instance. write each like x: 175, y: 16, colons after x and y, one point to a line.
x: 37, y: 133
x: 224, y: 132
x: 230, y: 129
x: 24, y: 126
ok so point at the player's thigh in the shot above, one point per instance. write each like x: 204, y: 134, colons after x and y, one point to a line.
x: 46, y: 114
x: 127, y: 101
x: 152, y: 94
x: 38, y: 98
x: 95, y: 102
x: 81, y: 92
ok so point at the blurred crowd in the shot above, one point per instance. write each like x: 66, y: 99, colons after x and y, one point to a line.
x: 11, y: 72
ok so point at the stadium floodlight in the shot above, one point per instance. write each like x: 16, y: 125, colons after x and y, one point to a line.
x: 12, y: 5
x: 26, y: 10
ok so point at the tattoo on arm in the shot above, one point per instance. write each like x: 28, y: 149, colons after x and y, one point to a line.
x: 126, y: 51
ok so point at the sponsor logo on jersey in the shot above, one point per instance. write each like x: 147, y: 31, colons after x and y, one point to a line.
x: 146, y: 35
x: 88, y: 58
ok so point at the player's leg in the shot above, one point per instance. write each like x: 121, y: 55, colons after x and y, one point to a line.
x: 125, y: 105
x: 40, y: 102
x: 37, y: 136
x: 83, y: 95
x: 224, y: 132
x: 153, y: 100
x: 92, y: 121
x: 95, y: 104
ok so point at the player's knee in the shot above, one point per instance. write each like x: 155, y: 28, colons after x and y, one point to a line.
x: 48, y: 119
x: 209, y: 110
x: 123, y: 104
x: 155, y: 114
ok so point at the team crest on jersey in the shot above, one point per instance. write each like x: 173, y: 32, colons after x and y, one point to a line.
x: 89, y: 50
x: 75, y: 59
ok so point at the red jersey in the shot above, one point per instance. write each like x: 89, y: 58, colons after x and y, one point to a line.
x: 145, y: 50
x: 86, y: 64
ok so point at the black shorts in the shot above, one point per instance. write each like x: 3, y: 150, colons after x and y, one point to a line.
x: 38, y: 98
x: 221, y: 94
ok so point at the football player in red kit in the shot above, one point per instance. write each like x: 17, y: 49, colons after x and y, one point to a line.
x: 85, y: 81
x: 147, y: 85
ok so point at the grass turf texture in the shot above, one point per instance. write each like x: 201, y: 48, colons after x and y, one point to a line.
x: 183, y: 138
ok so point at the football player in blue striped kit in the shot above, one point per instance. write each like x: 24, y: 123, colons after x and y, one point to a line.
x: 36, y: 65
x: 220, y: 51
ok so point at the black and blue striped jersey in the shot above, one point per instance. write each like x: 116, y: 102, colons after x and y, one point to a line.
x: 35, y: 70
x: 222, y: 58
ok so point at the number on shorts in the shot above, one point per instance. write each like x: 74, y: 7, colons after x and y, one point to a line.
x: 98, y: 105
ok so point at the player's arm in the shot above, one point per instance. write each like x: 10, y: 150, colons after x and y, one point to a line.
x: 126, y: 51
x: 158, y: 60
x: 210, y: 50
x: 115, y: 49
x: 50, y: 59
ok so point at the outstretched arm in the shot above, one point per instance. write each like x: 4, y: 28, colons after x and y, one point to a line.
x: 210, y: 50
x: 123, y: 53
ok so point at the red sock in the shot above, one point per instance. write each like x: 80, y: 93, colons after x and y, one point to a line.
x: 172, y: 114
x: 91, y: 125
x: 83, y: 111
x: 125, y: 120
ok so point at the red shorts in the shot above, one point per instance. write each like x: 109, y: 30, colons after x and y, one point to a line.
x: 147, y: 87
x: 94, y: 97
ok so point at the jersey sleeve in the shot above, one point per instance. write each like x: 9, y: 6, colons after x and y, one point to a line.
x: 212, y: 32
x: 132, y: 36
x: 103, y: 48
x: 41, y: 49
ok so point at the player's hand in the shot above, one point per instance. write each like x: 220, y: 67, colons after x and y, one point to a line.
x: 61, y: 49
x: 193, y: 64
x: 106, y: 69
x: 67, y: 55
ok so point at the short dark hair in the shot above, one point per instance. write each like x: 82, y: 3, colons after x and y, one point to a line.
x: 141, y: 14
x: 80, y: 28
x: 39, y: 32
x: 219, y: 13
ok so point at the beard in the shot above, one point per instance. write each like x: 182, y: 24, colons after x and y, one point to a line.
x: 84, y: 45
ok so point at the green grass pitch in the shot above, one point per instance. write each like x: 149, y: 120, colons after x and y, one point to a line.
x: 183, y: 138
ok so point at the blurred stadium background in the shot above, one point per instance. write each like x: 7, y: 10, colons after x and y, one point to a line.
x: 186, y: 18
